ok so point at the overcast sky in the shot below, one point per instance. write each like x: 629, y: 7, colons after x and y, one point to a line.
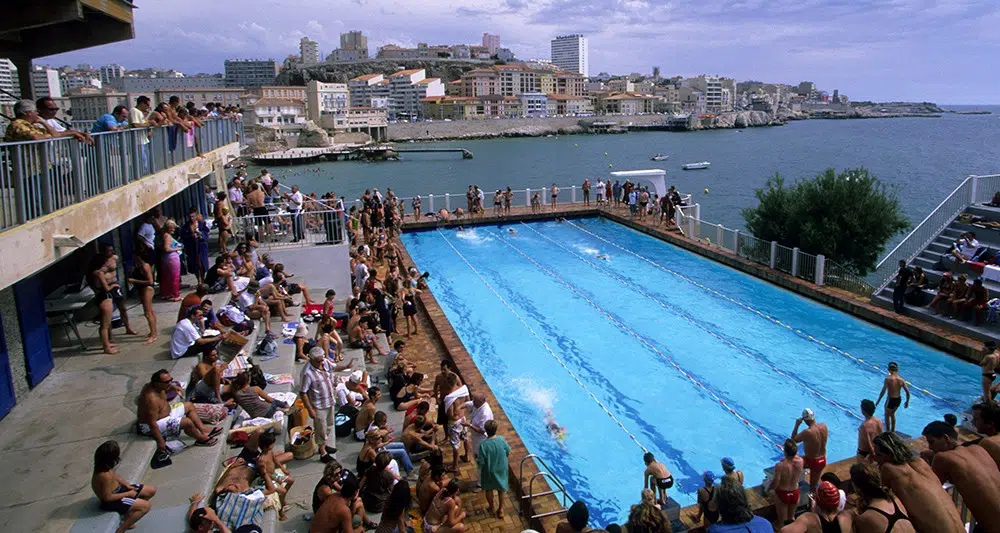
x: 946, y: 51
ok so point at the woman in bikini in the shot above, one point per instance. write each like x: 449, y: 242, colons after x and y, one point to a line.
x: 878, y: 510
x: 142, y: 279
x: 330, y: 341
x: 445, y: 513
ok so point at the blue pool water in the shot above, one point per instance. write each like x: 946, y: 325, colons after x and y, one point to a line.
x: 635, y: 344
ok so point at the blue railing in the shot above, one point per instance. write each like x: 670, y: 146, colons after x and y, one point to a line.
x: 41, y: 177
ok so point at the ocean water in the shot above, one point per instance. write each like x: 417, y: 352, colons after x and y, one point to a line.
x: 925, y: 158
x: 632, y: 344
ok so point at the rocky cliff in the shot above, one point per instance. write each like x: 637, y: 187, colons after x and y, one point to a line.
x: 341, y: 72
x: 739, y: 119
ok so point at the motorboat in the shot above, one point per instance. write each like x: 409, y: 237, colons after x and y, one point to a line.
x: 697, y: 166
x: 659, y: 157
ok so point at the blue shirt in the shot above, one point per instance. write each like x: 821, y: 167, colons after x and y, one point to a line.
x: 107, y: 122
x: 757, y: 525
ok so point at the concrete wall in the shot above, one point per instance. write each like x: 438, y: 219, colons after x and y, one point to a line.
x: 458, y: 129
x: 12, y: 335
x: 33, y: 241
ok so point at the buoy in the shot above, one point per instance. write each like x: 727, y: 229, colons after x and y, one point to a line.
x: 605, y: 154
x: 706, y: 190
x: 610, y: 165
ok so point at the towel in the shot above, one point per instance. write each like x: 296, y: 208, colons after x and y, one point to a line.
x: 458, y: 393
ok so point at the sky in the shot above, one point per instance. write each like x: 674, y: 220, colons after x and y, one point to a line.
x: 914, y: 50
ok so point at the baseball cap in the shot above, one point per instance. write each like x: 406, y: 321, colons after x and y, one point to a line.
x: 827, y: 495
x: 808, y: 414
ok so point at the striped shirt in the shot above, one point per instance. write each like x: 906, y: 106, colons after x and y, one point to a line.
x: 317, y: 383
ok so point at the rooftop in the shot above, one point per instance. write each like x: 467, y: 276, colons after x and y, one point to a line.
x: 409, y: 72
x: 366, y: 77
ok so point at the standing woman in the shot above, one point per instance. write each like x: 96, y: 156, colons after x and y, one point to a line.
x: 194, y: 235
x: 170, y: 263
x: 410, y: 307
x: 223, y: 221
x: 142, y: 279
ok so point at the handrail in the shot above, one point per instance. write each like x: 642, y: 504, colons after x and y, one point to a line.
x: 528, y: 498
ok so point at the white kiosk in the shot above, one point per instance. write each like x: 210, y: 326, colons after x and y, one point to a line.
x: 654, y: 176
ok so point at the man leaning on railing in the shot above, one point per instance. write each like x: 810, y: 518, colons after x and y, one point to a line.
x: 28, y: 125
x: 47, y: 109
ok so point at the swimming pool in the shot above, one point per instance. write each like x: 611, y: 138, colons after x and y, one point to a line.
x: 635, y: 344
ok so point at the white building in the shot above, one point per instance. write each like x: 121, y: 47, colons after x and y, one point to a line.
x: 367, y: 89
x: 76, y: 80
x: 569, y: 52
x: 45, y: 82
x: 534, y: 104
x: 326, y: 99
x: 491, y: 42
x: 717, y: 100
x: 406, y: 90
x: 111, y: 72
x: 147, y: 84
x: 309, y: 51
x: 287, y: 115
x: 8, y: 81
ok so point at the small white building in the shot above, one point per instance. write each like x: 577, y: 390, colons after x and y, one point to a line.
x: 534, y: 104
x: 284, y: 114
x: 326, y: 99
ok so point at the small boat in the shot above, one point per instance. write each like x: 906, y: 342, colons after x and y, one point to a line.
x: 659, y: 157
x: 697, y: 166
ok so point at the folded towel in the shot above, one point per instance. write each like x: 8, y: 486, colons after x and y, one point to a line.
x: 458, y: 393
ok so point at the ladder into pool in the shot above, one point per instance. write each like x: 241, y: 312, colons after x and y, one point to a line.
x: 526, y: 499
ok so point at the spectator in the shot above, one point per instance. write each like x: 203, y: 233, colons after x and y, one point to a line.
x: 142, y: 279
x: 131, y: 500
x: 194, y: 237
x: 27, y: 125
x: 116, y: 120
x: 253, y: 399
x: 824, y: 516
x: 205, y: 385
x: 945, y: 288
x: 170, y: 263
x: 317, y: 393
x: 47, y: 109
x: 986, y: 419
x: 493, y: 467
x: 157, y: 419
x: 445, y: 513
x: 395, y: 518
x: 203, y: 519
x: 976, y: 303
x: 647, y: 517
x: 577, y: 517
x: 295, y: 204
x: 377, y: 483
x: 915, y: 290
x: 878, y: 510
x: 277, y: 480
x: 708, y: 510
x: 480, y: 413
x: 735, y: 515
x: 430, y: 483
x: 192, y: 299
x: 103, y: 280
x: 187, y: 340
x: 334, y: 514
x: 236, y: 197
x: 903, y: 277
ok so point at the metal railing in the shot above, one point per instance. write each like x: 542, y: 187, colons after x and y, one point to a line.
x: 559, y: 488
x: 40, y: 177
x: 282, y: 228
x: 974, y: 189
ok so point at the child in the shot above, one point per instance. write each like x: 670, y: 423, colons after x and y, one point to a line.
x: 116, y: 494
x: 277, y: 480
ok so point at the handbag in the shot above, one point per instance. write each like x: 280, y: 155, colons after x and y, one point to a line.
x: 257, y: 378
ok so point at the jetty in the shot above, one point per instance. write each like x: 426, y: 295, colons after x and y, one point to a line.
x: 384, y: 152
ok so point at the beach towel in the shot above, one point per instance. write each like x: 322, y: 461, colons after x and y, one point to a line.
x: 458, y: 393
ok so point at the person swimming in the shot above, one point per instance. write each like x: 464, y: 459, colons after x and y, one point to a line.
x: 461, y: 229
x: 512, y: 231
x: 558, y: 432
x: 603, y: 257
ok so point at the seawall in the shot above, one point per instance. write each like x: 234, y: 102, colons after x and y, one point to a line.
x: 514, y: 127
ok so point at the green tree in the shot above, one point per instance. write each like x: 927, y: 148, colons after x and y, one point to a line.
x: 847, y: 217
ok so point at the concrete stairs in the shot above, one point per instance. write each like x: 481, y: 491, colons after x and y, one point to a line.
x: 933, y: 264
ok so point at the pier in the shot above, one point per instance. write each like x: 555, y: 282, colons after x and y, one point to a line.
x: 301, y: 156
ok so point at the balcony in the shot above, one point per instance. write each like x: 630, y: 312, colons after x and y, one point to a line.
x: 57, y: 194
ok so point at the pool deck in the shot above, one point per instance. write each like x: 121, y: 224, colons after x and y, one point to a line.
x: 448, y: 344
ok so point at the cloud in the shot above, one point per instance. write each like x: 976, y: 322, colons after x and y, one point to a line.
x: 867, y: 48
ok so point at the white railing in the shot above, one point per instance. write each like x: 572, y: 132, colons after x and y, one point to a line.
x: 40, y: 177
x: 813, y: 268
x: 974, y: 189
x: 282, y: 228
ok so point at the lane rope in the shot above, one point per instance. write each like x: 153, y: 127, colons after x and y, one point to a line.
x: 649, y: 345
x: 542, y: 342
x: 637, y: 287
x: 760, y: 313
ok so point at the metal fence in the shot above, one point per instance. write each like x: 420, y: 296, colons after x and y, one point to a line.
x: 974, y: 189
x: 282, y: 228
x: 40, y: 177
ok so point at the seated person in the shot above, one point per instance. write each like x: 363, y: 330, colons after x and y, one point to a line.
x: 271, y: 295
x: 203, y: 519
x: 915, y: 289
x: 976, y: 302
x: 335, y: 513
x: 303, y: 344
x: 211, y: 320
x: 220, y: 276
x: 418, y: 437
x: 377, y: 483
x: 397, y: 450
x: 186, y: 340
x: 330, y: 484
x: 254, y: 400
x: 965, y: 247
x: 205, y: 385
x: 366, y: 416
x: 157, y: 419
x: 329, y: 339
x: 445, y: 513
x: 944, y: 292
x: 192, y: 299
x: 421, y: 409
x: 277, y: 480
x: 130, y: 500
x: 959, y: 296
x: 328, y: 308
x: 410, y: 394
x: 428, y: 486
x: 281, y: 280
x: 352, y: 392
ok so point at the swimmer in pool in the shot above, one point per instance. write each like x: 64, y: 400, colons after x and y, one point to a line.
x: 558, y: 432
x: 603, y: 257
x: 461, y: 229
x: 512, y: 231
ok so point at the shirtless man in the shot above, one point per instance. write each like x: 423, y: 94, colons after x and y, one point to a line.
x: 813, y: 440
x: 893, y: 383
x: 971, y: 470
x: 930, y: 508
x: 989, y: 364
x: 991, y: 443
x: 272, y: 296
x: 275, y: 474
x: 458, y: 434
x: 656, y: 477
x: 367, y: 414
x: 159, y: 421
x: 334, y: 515
x: 418, y: 437
x: 868, y: 430
x: 445, y: 382
x: 203, y: 519
x: 785, y: 483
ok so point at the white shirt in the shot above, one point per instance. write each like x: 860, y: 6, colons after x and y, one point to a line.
x: 970, y: 248
x: 267, y: 179
x: 296, y: 202
x: 345, y: 396
x: 183, y: 337
x: 361, y: 274
x: 55, y: 124
x: 600, y: 187
x: 235, y: 195
x: 148, y: 235
x: 479, y: 418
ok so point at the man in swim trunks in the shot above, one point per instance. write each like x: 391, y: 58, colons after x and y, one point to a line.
x: 893, y: 383
x: 656, y: 477
x: 989, y: 364
x: 787, y: 473
x: 813, y: 441
x: 971, y: 470
x: 157, y: 419
x: 867, y: 430
x: 458, y: 434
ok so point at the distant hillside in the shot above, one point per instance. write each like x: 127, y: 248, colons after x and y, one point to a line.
x: 901, y: 107
x: 340, y: 73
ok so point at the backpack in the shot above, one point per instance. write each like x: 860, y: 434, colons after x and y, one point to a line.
x: 267, y: 346
x: 257, y: 378
x: 344, y: 425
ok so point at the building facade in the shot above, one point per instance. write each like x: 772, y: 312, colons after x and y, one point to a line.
x: 355, y: 41
x: 89, y: 103
x: 514, y: 79
x: 250, y: 72
x: 295, y: 92
x: 148, y: 84
x: 308, y: 51
x: 491, y: 42
x: 570, y: 52
x: 369, y: 90
x: 326, y: 99
x: 200, y: 95
x: 45, y: 82
x: 111, y: 72
x: 407, y: 89
x: 8, y: 82
x: 534, y: 105
x: 75, y: 80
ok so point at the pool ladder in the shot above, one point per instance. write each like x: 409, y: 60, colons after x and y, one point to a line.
x: 527, y: 499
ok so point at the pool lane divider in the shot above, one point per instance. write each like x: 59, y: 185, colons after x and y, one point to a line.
x: 641, y: 338
x: 679, y: 312
x: 752, y: 309
x: 542, y: 342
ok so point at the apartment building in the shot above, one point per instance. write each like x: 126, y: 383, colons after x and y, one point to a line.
x: 326, y: 99
x: 512, y: 80
x: 250, y: 72
x: 570, y: 52
x: 109, y: 73
x: 89, y: 103
x: 369, y: 90
x: 308, y: 51
x: 45, y: 82
x: 200, y: 95
x: 407, y: 88
x: 150, y: 84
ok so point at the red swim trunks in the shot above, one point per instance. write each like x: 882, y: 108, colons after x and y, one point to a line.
x: 788, y: 497
x: 818, y: 463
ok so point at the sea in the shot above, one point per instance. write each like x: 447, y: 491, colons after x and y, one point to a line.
x: 924, y: 159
